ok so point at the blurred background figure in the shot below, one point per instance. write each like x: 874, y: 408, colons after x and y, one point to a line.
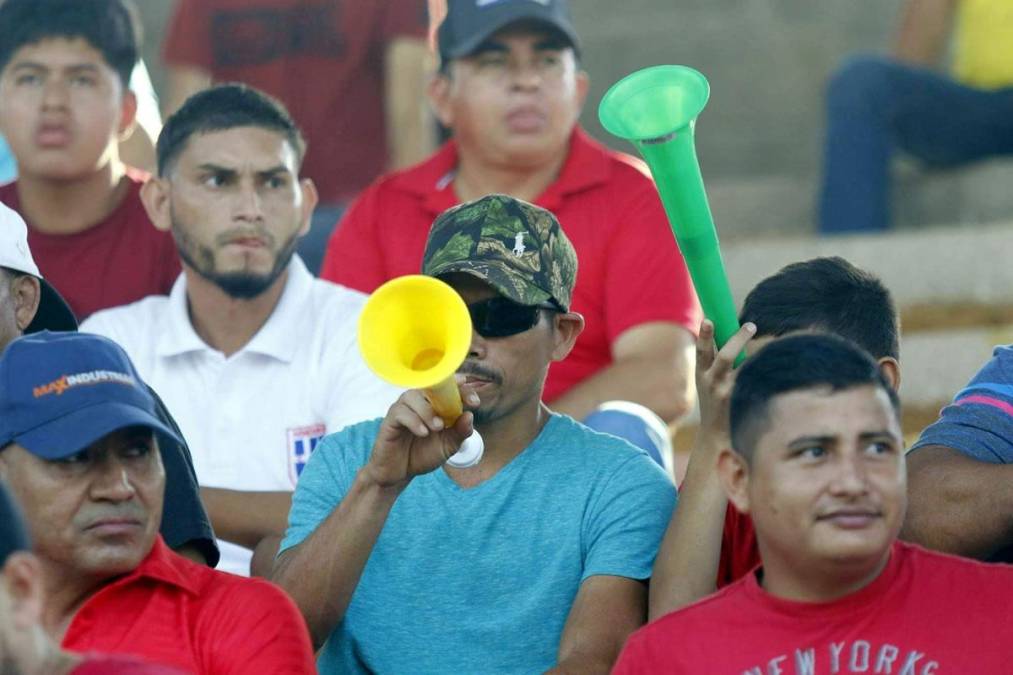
x: 877, y: 106
x: 353, y: 74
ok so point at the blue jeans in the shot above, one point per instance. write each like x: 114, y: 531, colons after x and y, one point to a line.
x: 312, y: 246
x: 876, y: 106
x: 637, y: 424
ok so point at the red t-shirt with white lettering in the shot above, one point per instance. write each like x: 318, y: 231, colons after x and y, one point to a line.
x: 926, y: 614
x: 324, y: 59
x: 117, y: 261
x: 629, y: 268
x: 174, y: 611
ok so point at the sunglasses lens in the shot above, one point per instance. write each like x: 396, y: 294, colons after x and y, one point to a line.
x: 499, y: 317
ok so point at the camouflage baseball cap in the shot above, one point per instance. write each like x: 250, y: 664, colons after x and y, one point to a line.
x: 516, y: 247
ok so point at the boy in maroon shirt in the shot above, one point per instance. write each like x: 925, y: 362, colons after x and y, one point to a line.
x: 64, y: 105
x: 819, y: 466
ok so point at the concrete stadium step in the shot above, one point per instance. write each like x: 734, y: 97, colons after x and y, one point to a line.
x: 785, y: 205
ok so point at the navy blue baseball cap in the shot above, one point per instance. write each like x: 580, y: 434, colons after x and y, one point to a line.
x: 61, y: 392
x: 469, y: 23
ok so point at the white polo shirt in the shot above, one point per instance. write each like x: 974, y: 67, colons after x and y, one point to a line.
x: 253, y: 419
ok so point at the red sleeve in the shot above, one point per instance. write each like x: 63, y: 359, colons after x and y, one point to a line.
x: 354, y: 257
x: 253, y: 627
x: 188, y: 42
x: 634, y: 659
x: 646, y: 277
x: 739, y: 554
x: 404, y: 18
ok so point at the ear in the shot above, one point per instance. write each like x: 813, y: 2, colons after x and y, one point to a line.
x: 733, y: 472
x: 22, y: 581
x: 568, y: 326
x: 155, y: 197
x: 438, y: 92
x: 26, y: 291
x: 310, y: 198
x: 128, y: 115
x: 891, y: 371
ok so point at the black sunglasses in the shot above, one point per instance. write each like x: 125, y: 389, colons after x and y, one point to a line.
x: 501, y: 317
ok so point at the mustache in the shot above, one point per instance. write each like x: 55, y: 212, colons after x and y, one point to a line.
x: 472, y: 368
x: 243, y: 233
x: 126, y: 511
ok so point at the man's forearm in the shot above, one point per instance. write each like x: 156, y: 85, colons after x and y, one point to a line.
x: 321, y: 573
x: 244, y: 518
x: 645, y: 381
x: 957, y: 504
x: 686, y: 567
x: 411, y: 128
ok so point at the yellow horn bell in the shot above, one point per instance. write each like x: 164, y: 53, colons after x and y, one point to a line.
x: 415, y: 332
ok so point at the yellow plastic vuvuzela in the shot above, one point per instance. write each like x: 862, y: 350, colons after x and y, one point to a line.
x: 415, y: 332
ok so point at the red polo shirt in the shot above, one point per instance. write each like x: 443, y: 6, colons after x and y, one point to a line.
x: 170, y: 610
x: 629, y: 270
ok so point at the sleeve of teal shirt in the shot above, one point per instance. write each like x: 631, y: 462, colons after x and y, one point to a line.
x: 326, y: 479
x: 627, y: 519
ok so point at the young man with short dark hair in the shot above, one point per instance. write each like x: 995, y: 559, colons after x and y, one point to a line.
x: 817, y: 460
x: 822, y: 295
x: 256, y: 359
x: 64, y: 105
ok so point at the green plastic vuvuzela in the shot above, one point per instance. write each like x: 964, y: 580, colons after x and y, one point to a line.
x: 656, y: 110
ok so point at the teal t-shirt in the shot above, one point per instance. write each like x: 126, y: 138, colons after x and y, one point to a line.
x: 481, y: 580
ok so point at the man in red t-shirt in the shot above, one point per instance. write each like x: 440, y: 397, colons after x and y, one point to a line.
x: 511, y: 90
x: 79, y: 449
x: 352, y: 73
x: 64, y: 104
x: 821, y: 295
x: 24, y: 645
x: 819, y: 465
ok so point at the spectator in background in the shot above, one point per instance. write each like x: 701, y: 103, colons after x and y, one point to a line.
x: 822, y: 295
x: 136, y: 150
x: 351, y: 72
x: 80, y: 438
x: 28, y: 304
x: 877, y: 106
x: 818, y: 462
x: 256, y: 358
x: 961, y: 469
x: 64, y: 105
x: 510, y: 88
x: 534, y: 560
x: 25, y: 647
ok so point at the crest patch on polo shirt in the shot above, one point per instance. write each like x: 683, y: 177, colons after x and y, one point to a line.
x: 302, y: 441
